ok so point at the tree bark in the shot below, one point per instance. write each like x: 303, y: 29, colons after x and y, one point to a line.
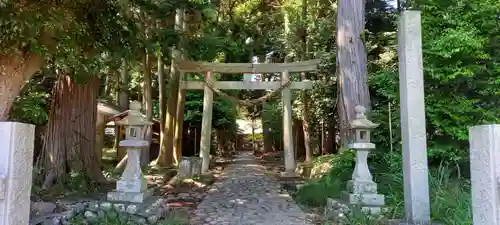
x: 15, y: 70
x: 181, y: 102
x: 123, y: 99
x: 351, y: 63
x: 148, y: 105
x: 166, y: 154
x: 179, y: 123
x: 69, y: 142
x: 120, y: 83
x: 331, y: 134
x: 162, y: 102
x: 303, y: 93
x: 268, y: 139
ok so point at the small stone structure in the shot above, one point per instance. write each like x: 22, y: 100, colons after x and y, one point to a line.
x: 485, y: 174
x: 16, y: 158
x: 361, y: 190
x: 132, y: 200
x: 189, y: 167
x: 132, y: 186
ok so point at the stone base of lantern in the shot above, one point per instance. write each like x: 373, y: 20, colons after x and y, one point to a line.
x: 358, y: 186
x: 131, y: 190
x: 364, y: 194
x: 338, y: 211
x: 134, y: 197
x: 365, y: 199
x: 289, y: 174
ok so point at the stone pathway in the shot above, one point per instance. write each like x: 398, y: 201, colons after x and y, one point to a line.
x: 245, y: 195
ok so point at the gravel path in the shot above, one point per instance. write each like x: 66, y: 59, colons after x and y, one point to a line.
x: 245, y: 195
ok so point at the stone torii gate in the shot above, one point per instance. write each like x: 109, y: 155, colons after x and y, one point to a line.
x: 208, y: 69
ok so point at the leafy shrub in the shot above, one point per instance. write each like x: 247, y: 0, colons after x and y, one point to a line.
x: 449, y: 194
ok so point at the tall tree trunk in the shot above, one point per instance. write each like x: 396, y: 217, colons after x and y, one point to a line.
x: 351, y: 63
x: 181, y: 102
x: 268, y: 139
x: 166, y: 154
x: 69, y: 142
x: 15, y: 70
x: 162, y: 102
x: 148, y: 92
x: 305, y: 123
x: 123, y: 99
x: 104, y: 89
x: 323, y: 139
x: 303, y: 93
x: 330, y: 142
x: 179, y: 123
x: 119, y: 95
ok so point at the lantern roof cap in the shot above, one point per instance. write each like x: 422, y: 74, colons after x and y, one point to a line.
x: 361, y: 122
x: 134, y: 117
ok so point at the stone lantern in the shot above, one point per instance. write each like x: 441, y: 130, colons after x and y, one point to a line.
x: 132, y: 186
x: 361, y: 190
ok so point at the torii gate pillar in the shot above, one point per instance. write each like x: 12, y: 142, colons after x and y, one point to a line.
x: 232, y: 68
x: 286, y: 99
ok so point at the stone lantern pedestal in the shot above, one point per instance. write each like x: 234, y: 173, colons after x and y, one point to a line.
x: 132, y: 186
x: 361, y: 190
x: 132, y: 201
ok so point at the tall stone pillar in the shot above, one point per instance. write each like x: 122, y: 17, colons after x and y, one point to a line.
x: 484, y: 151
x: 286, y: 99
x: 16, y: 160
x: 411, y: 85
x: 206, y: 124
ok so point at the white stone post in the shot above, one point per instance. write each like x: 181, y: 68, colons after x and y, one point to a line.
x: 411, y: 85
x: 286, y: 99
x: 132, y: 186
x: 16, y: 160
x: 485, y: 170
x: 206, y: 124
x: 361, y: 189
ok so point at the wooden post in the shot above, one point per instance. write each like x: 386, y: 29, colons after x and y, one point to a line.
x: 286, y: 98
x: 206, y: 124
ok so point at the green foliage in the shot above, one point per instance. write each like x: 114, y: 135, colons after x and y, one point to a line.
x: 31, y: 108
x: 224, y: 111
x: 450, y: 195
x: 331, y: 184
x: 272, y: 116
x: 461, y: 76
x: 33, y: 103
x: 112, y: 217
